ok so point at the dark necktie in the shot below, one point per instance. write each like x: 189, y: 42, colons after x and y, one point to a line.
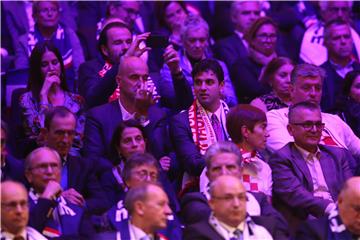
x: 237, y: 235
x: 217, y: 128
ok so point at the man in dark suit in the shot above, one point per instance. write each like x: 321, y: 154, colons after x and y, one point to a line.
x: 234, y: 47
x: 204, y: 123
x: 51, y: 213
x: 339, y: 44
x: 224, y: 158
x: 136, y: 101
x: 307, y: 176
x: 341, y: 224
x: 228, y: 219
x: 78, y: 180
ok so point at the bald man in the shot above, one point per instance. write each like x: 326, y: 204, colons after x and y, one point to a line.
x: 228, y: 219
x: 342, y: 223
x: 15, y: 213
x: 136, y: 101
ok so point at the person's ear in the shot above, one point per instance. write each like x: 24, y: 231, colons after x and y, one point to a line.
x: 290, y: 129
x: 139, y: 207
x: 104, y: 50
x: 245, y: 132
x: 43, y: 135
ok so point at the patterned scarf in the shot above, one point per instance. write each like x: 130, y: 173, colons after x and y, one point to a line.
x: 200, y: 125
x: 337, y: 230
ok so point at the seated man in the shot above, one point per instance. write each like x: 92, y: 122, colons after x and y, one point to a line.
x: 306, y: 85
x: 78, y: 179
x: 340, y: 224
x: 224, y: 158
x: 135, y: 102
x: 50, y: 213
x: 339, y: 44
x: 195, y: 39
x: 204, y: 123
x: 307, y: 176
x: 14, y: 219
x: 228, y: 219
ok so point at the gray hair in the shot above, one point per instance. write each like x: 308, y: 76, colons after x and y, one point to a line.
x: 222, y: 147
x: 306, y: 70
x: 193, y: 22
x: 30, y: 156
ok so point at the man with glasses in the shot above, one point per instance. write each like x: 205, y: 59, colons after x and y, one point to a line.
x: 306, y: 85
x: 307, y: 176
x: 15, y: 213
x: 51, y: 213
x: 78, y: 180
x: 228, y: 219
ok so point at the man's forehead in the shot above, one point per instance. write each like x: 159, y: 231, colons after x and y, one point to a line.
x: 308, y: 80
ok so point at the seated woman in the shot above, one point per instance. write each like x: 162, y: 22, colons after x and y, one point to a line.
x: 245, y: 72
x: 246, y: 126
x: 130, y: 138
x: 350, y: 104
x: 47, y: 88
x: 276, y: 74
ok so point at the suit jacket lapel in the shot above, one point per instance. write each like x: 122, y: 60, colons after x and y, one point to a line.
x: 71, y: 165
x: 329, y: 171
x: 300, y: 162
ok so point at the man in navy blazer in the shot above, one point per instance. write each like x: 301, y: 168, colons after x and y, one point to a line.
x: 307, y: 176
x: 78, y: 180
x: 341, y: 224
x: 136, y: 101
x: 339, y: 44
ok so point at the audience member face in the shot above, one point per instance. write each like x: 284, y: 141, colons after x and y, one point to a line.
x: 196, y: 42
x: 44, y: 167
x: 257, y: 137
x: 134, y: 73
x: 281, y: 80
x: 156, y: 208
x: 247, y: 13
x: 50, y: 65
x: 306, y: 89
x: 228, y: 201
x: 306, y: 128
x: 47, y: 14
x: 14, y: 207
x: 128, y: 11
x: 3, y: 146
x: 207, y: 90
x: 141, y: 174
x: 223, y: 164
x: 265, y: 39
x: 132, y: 141
x: 355, y: 89
x: 340, y: 42
x: 336, y: 9
x: 175, y: 16
x: 349, y: 206
x: 118, y: 42
x: 61, y: 134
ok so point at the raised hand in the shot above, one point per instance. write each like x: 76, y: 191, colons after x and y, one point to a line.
x: 144, y: 99
x: 165, y: 163
x: 74, y: 197
x: 134, y: 49
x: 51, y: 78
x: 172, y: 59
x: 52, y: 190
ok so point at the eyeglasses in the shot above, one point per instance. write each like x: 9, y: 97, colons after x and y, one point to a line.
x: 265, y: 36
x: 309, y: 125
x: 230, y: 198
x: 143, y: 175
x: 45, y: 166
x: 48, y: 10
x: 10, y: 206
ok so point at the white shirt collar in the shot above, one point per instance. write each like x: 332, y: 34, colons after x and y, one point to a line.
x: 306, y: 154
x: 11, y: 236
x: 125, y: 114
x: 137, y: 233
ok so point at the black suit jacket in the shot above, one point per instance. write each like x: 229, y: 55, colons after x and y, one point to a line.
x: 81, y: 177
x: 332, y: 87
x: 13, y: 170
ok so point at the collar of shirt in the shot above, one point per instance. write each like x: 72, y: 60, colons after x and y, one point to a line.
x: 11, y: 236
x: 125, y: 114
x: 137, y: 233
x: 339, y: 67
x: 241, y: 36
x: 308, y: 156
x: 226, y: 231
x: 218, y: 113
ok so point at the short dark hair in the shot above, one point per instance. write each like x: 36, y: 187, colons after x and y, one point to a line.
x: 60, y: 111
x: 243, y: 115
x: 160, y: 10
x: 208, y: 65
x: 138, y: 159
x: 222, y: 147
x: 337, y: 22
x: 138, y: 193
x: 251, y: 33
x: 35, y: 81
x: 302, y: 105
x: 349, y: 80
x: 272, y: 67
x: 307, y: 70
x: 103, y: 38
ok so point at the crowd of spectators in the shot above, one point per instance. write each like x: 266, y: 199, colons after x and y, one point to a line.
x: 175, y: 120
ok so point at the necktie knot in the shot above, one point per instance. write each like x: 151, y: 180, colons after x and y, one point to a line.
x: 237, y: 235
